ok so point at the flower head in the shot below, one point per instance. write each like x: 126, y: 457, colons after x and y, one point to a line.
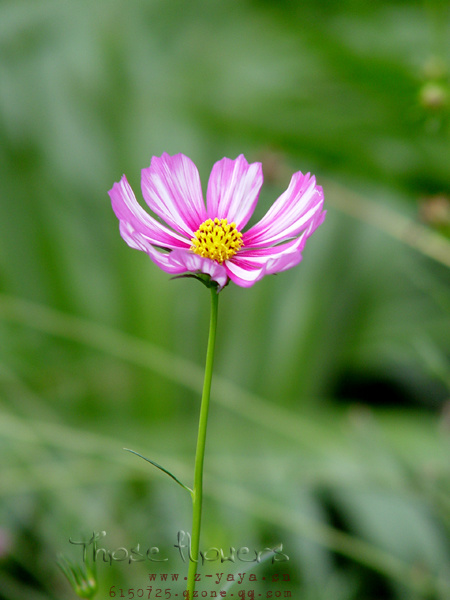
x: 210, y: 239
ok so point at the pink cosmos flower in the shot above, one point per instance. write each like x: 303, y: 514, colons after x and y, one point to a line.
x: 210, y: 239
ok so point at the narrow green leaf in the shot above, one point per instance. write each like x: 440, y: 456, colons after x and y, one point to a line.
x: 155, y: 464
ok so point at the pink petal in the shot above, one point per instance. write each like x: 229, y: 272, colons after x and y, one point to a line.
x: 177, y: 261
x: 171, y: 187
x: 244, y: 276
x: 193, y: 263
x: 249, y: 266
x: 261, y: 255
x: 295, y: 210
x: 233, y: 190
x: 128, y: 210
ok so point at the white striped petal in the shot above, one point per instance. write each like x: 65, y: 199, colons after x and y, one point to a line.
x: 171, y: 187
x: 233, y: 190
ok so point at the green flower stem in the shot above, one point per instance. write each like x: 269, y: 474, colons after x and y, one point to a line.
x: 197, y: 495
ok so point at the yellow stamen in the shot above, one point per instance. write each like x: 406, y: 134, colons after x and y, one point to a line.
x: 218, y: 240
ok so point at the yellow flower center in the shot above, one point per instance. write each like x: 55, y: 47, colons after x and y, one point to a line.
x: 218, y: 240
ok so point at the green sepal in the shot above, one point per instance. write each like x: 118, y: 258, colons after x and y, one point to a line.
x: 202, y: 277
x: 155, y: 464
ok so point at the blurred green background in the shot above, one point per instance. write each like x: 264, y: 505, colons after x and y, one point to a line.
x: 330, y: 418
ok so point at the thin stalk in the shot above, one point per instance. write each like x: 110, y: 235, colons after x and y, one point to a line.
x: 197, y: 495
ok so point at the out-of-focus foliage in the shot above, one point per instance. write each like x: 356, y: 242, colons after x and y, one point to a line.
x: 329, y: 424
